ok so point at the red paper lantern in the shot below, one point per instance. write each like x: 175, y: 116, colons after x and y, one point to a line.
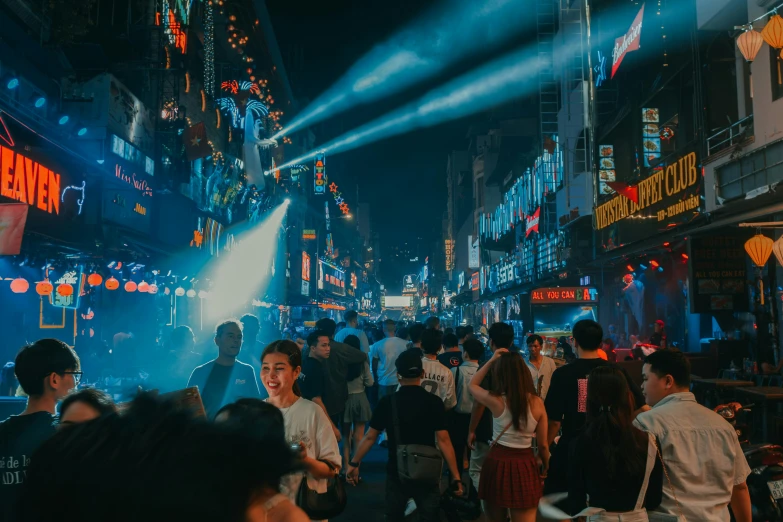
x: 130, y: 286
x: 144, y: 287
x: 19, y: 285
x: 112, y: 284
x: 95, y: 279
x: 65, y: 289
x: 44, y: 288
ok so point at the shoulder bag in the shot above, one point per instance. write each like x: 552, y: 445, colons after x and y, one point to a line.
x: 655, y: 516
x: 417, y: 464
x: 323, y: 506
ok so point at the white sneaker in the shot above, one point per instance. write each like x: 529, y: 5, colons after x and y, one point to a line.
x: 410, y: 508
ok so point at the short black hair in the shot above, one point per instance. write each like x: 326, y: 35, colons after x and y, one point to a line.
x: 432, y: 322
x: 415, y: 332
x: 312, y: 339
x: 97, y: 399
x: 609, y: 342
x: 448, y: 330
x: 148, y: 460
x: 470, y: 329
x: 179, y: 335
x: 533, y: 338
x: 450, y: 340
x: 431, y: 341
x: 250, y: 318
x: 327, y: 325
x: 462, y: 332
x: 670, y: 362
x: 350, y: 315
x: 473, y: 348
x: 588, y: 334
x: 39, y: 360
x: 222, y: 326
x: 502, y: 335
x: 352, y: 341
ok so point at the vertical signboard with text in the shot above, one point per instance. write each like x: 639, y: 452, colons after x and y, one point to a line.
x: 319, y: 175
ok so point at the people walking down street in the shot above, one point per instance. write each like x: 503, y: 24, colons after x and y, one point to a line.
x: 306, y: 423
x: 411, y: 416
x: 415, y: 332
x: 357, y: 409
x: 452, y: 355
x: 352, y: 328
x: 383, y: 354
x: 701, y: 452
x: 225, y: 379
x: 566, y: 400
x: 541, y: 367
x: 613, y: 466
x: 437, y: 378
x: 341, y: 357
x: 313, y: 377
x: 510, y: 476
x: 460, y: 419
x: 47, y: 371
x: 501, y: 335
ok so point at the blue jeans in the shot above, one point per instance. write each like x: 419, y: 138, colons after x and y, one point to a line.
x: 397, y: 496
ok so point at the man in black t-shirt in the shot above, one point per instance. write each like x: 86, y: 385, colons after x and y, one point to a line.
x: 422, y: 420
x: 47, y: 371
x: 313, y: 378
x: 452, y: 356
x: 566, y: 402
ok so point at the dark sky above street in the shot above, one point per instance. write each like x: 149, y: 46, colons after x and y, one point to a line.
x: 403, y: 178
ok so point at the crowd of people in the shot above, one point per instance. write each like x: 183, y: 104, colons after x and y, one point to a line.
x: 513, y: 430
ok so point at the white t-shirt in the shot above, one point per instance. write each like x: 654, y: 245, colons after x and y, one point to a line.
x: 307, y: 422
x: 387, y: 351
x: 439, y: 381
x: 345, y: 332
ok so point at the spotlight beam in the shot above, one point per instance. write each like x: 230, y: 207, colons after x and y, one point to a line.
x: 453, y: 31
x: 500, y: 81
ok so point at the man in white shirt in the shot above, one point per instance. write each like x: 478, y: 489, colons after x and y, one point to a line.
x: 703, y: 457
x: 352, y: 328
x: 541, y: 367
x: 460, y: 425
x: 437, y: 379
x: 383, y: 355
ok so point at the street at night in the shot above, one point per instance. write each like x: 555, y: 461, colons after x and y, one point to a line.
x: 421, y: 261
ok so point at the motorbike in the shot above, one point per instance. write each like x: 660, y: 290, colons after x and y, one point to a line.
x: 765, y: 482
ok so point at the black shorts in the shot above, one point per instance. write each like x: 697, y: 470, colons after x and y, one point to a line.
x: 557, y: 477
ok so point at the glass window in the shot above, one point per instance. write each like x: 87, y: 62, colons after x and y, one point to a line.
x: 775, y: 74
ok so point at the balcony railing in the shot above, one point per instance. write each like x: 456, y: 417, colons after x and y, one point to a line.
x: 735, y: 133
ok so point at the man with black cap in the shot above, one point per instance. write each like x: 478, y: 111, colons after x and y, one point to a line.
x: 421, y: 417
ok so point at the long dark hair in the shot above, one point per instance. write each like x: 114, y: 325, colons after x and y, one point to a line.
x: 354, y: 370
x: 290, y: 349
x: 609, y: 426
x: 511, y: 377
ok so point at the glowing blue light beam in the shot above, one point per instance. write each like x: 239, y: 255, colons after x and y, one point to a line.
x: 456, y: 29
x: 500, y: 81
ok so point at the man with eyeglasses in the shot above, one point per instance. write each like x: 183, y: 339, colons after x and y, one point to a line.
x: 47, y: 371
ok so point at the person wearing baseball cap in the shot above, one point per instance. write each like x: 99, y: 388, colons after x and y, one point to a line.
x: 422, y: 420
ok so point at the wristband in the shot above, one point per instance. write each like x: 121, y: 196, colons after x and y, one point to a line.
x: 354, y: 464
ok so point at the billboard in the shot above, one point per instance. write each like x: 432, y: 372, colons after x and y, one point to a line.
x: 396, y: 301
x: 473, y: 249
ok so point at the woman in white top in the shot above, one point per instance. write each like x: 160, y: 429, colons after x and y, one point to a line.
x: 306, y: 423
x: 510, y: 478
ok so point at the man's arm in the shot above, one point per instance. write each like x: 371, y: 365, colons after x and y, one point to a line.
x: 553, y: 428
x: 447, y: 450
x: 375, y: 362
x: 740, y: 503
x: 336, y: 431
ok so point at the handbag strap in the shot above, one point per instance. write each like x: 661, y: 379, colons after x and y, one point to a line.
x: 494, y: 442
x: 671, y: 487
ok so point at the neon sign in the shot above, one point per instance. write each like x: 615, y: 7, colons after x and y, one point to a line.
x: 140, y: 185
x: 320, y: 178
x: 29, y: 182
x: 305, y: 266
x: 532, y: 221
x: 628, y: 42
x: 75, y: 278
x: 75, y: 188
x: 308, y: 233
x: 600, y: 70
x: 564, y: 295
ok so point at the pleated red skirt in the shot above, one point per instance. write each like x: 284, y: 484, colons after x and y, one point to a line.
x: 510, y: 478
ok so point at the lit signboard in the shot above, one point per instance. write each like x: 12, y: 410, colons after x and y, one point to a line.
x: 532, y: 221
x: 305, y: 266
x: 331, y: 278
x: 74, y: 278
x: 396, y: 301
x: 628, y: 42
x: 319, y: 176
x: 449, y: 247
x: 29, y: 182
x: 564, y: 295
x: 409, y: 284
x: 308, y: 233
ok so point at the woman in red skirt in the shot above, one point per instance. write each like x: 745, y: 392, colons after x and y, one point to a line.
x: 510, y: 478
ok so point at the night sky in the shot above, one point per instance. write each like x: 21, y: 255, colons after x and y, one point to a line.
x: 403, y: 178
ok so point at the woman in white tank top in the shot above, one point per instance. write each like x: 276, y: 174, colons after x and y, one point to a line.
x: 511, y: 481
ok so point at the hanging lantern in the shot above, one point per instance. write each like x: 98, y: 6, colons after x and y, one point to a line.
x: 759, y: 248
x: 94, y: 279
x: 112, y: 284
x: 179, y: 292
x: 166, y: 291
x: 153, y: 289
x: 773, y: 35
x: 191, y: 293
x: 144, y: 287
x: 19, y: 285
x: 65, y: 289
x: 203, y: 294
x: 130, y: 286
x: 44, y: 288
x: 749, y: 44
